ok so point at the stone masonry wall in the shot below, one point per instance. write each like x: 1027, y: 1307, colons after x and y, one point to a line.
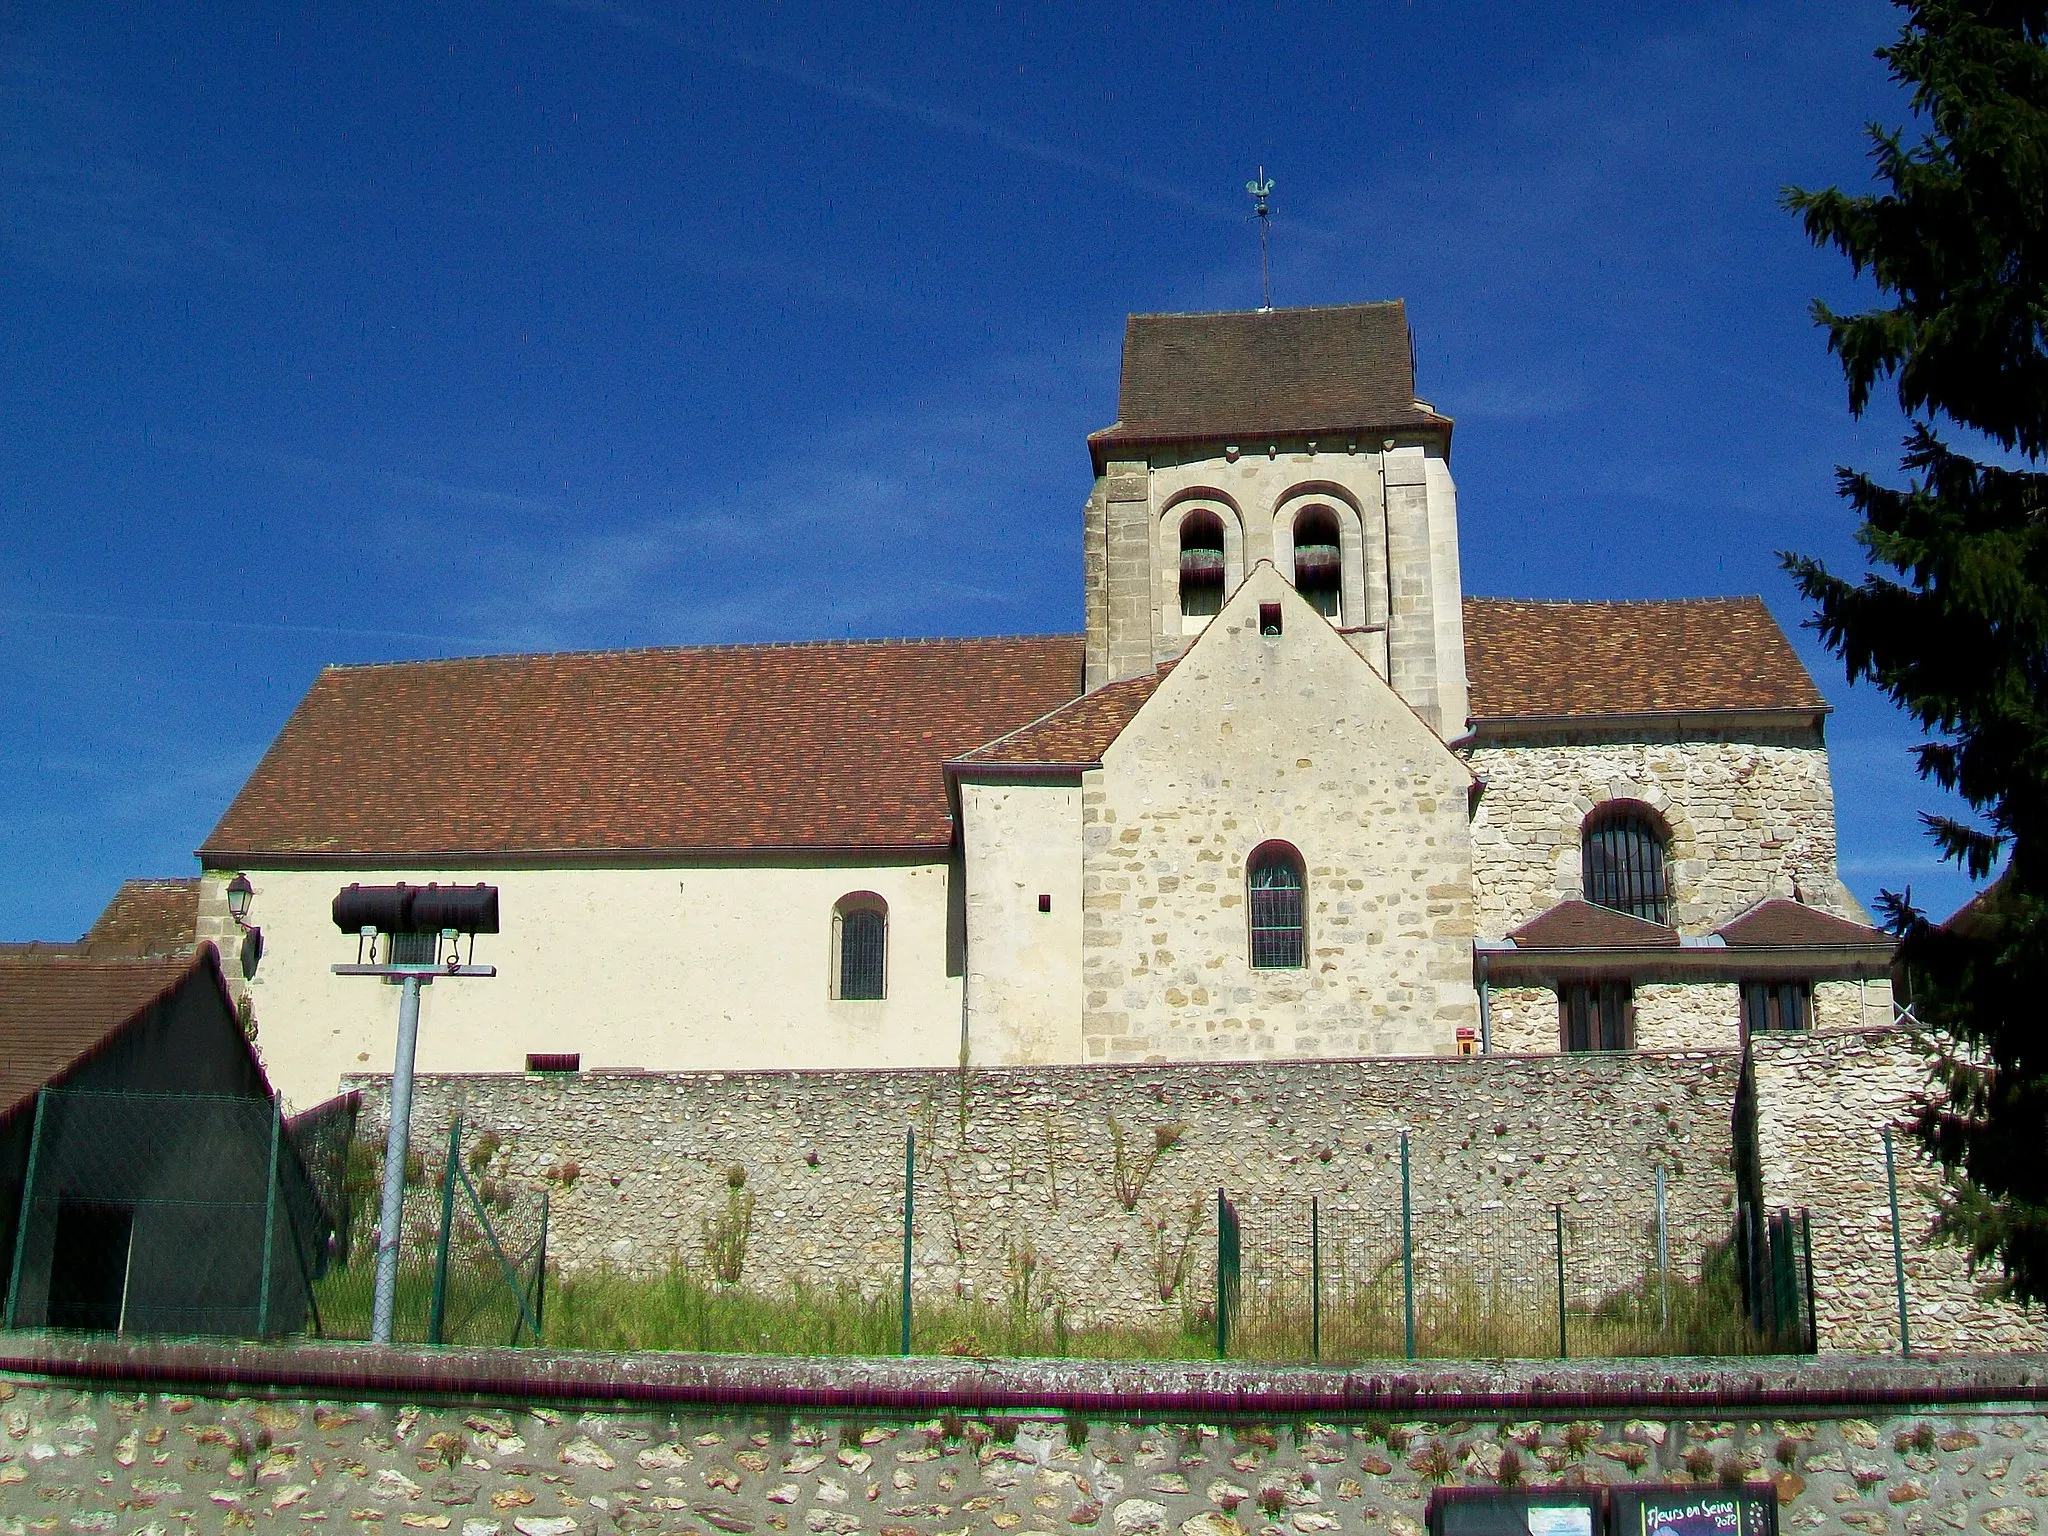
x: 1747, y: 820
x: 1823, y: 1101
x: 1672, y: 1016
x: 1026, y: 1157
x: 148, y: 1464
x: 1284, y: 737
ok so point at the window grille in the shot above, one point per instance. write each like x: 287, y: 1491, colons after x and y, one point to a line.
x: 863, y: 942
x: 1201, y: 565
x: 1774, y: 1006
x: 1597, y: 1015
x: 1278, y: 936
x: 1319, y: 562
x: 1624, y: 864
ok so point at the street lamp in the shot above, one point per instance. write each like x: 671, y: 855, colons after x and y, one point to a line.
x: 239, y: 892
x: 441, y: 914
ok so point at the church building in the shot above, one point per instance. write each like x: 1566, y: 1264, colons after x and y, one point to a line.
x: 1291, y: 794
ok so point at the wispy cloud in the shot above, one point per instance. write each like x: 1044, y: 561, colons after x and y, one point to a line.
x: 889, y: 103
x: 77, y: 198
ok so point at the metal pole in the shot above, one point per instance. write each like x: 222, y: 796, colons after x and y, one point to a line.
x: 1891, y: 1179
x: 1315, y: 1281
x: 269, y: 1219
x: 1407, y: 1256
x: 909, y: 1199
x: 1563, y: 1349
x: 28, y: 1194
x: 437, y: 1308
x: 1663, y: 1256
x: 391, y: 1216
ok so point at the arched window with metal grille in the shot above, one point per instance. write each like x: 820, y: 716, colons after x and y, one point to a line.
x: 1201, y: 569
x: 860, y: 947
x: 1623, y: 857
x: 1319, y: 562
x: 1279, y: 932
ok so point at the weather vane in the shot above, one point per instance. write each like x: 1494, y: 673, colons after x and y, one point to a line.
x: 1261, y: 190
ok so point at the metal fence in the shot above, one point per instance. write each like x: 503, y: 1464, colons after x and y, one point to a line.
x: 1308, y: 1279
x: 153, y: 1213
x: 472, y: 1250
x: 177, y: 1213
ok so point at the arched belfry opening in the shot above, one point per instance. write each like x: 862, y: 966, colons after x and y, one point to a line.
x: 1319, y: 562
x: 1201, y: 570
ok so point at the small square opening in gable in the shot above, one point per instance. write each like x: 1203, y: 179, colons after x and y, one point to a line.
x: 1269, y: 618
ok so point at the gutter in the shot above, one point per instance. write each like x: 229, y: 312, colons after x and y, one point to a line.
x: 1482, y: 728
x: 1654, y: 962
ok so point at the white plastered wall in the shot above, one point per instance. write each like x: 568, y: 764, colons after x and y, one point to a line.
x: 662, y: 968
x: 1023, y: 842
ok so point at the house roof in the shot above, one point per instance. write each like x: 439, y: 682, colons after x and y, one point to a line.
x: 726, y: 749
x: 146, y: 917
x: 1077, y: 733
x: 58, y: 1007
x: 1779, y: 923
x: 1575, y: 924
x: 1271, y: 372
x: 1687, y: 656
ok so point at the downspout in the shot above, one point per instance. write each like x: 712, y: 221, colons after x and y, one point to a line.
x: 1386, y: 577
x: 1485, y: 1011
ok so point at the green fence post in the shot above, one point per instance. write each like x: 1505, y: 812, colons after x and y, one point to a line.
x: 1315, y: 1281
x: 269, y: 1218
x: 28, y: 1194
x: 909, y: 1200
x: 1812, y: 1312
x: 540, y: 1272
x: 437, y: 1307
x: 1407, y: 1255
x: 1563, y: 1352
x: 1891, y: 1179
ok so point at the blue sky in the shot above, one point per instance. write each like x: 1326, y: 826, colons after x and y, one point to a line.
x: 344, y: 333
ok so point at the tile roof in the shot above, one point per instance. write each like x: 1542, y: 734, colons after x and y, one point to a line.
x: 1782, y: 923
x: 146, y: 917
x: 1278, y: 372
x: 1575, y: 924
x: 57, y: 1008
x: 1527, y: 658
x: 1078, y: 733
x: 703, y: 749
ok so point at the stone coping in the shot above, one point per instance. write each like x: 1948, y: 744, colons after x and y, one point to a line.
x: 924, y: 1385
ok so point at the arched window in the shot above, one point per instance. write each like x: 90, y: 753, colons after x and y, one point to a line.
x: 1273, y: 878
x: 1201, y: 569
x: 1622, y: 848
x: 860, y: 947
x: 1319, y: 562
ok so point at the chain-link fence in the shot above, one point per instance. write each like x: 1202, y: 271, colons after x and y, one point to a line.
x: 472, y: 1249
x: 1308, y: 1279
x: 171, y: 1213
x: 186, y: 1213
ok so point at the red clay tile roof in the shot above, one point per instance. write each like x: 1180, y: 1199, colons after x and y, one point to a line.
x: 146, y: 917
x: 57, y: 1007
x: 1782, y: 923
x: 1576, y: 924
x: 1542, y: 658
x: 1078, y: 733
x: 1278, y: 372
x: 702, y: 749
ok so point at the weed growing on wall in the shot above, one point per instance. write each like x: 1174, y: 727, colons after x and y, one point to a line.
x: 1131, y: 1166
x: 726, y: 1235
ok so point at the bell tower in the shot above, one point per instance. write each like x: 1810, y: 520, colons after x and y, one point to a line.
x: 1289, y: 435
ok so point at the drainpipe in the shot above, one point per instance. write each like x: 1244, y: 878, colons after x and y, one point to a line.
x: 1386, y: 577
x: 1485, y: 1011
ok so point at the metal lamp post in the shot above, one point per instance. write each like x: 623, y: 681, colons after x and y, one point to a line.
x: 442, y: 914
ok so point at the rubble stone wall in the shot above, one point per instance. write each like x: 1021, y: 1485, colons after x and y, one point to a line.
x: 1823, y: 1102
x: 1099, y: 1170
x: 125, y: 1462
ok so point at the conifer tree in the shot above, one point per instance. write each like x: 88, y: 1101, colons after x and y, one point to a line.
x: 1951, y: 617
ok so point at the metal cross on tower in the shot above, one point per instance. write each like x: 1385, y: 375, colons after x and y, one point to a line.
x: 1261, y: 190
